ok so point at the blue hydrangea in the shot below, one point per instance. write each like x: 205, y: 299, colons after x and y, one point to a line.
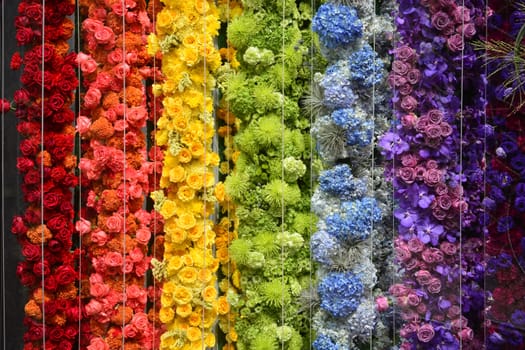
x: 340, y: 293
x: 342, y: 117
x: 354, y: 223
x: 338, y: 181
x: 366, y: 68
x: 337, y: 25
x: 324, y: 342
x: 359, y: 132
x: 323, y: 247
x: 337, y: 87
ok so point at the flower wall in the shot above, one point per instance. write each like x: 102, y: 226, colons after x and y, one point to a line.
x: 263, y: 175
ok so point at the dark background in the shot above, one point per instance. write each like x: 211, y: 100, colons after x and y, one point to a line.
x: 12, y: 293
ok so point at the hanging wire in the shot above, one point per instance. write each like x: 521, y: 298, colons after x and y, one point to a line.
x: 154, y: 175
x: 282, y: 175
x: 205, y: 155
x: 124, y: 174
x: 373, y: 163
x: 310, y: 228
x: 461, y: 165
x: 394, y: 43
x: 228, y: 143
x: 4, y: 339
x: 42, y: 177
x: 485, y: 171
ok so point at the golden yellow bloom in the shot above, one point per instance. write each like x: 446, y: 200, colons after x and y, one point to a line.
x: 166, y: 314
x: 187, y: 275
x: 168, y: 209
x: 196, y: 149
x: 223, y: 255
x: 182, y: 295
x: 193, y: 334
x: 195, y: 180
x: 209, y: 340
x: 232, y: 336
x: 195, y: 318
x: 166, y: 300
x: 220, y: 192
x: 184, y: 155
x: 185, y: 193
x: 209, y: 294
x: 205, y: 275
x: 178, y: 235
x: 177, y: 174
x: 184, y: 310
x: 187, y: 259
x: 174, y: 264
x: 236, y: 279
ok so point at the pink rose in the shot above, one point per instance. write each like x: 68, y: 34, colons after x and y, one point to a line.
x: 466, y: 334
x: 413, y: 76
x: 92, y: 98
x: 411, y: 264
x: 93, y: 307
x: 116, y: 56
x: 425, y: 333
x: 461, y: 14
x: 409, y: 160
x: 407, y: 174
x: 83, y: 124
x: 468, y: 30
x: 133, y: 291
x: 422, y: 123
x: 409, y: 120
x: 415, y: 245
x: 136, y: 116
x: 130, y: 331
x: 403, y: 254
x: 92, y: 25
x: 143, y: 235
x: 455, y: 42
x: 398, y: 290
x: 446, y: 129
x: 96, y: 278
x: 405, y: 53
x: 433, y: 131
x: 442, y: 22
x: 444, y: 202
x: 432, y: 177
x: 113, y: 259
x: 98, y: 290
x: 408, y: 329
x: 423, y: 277
x: 434, y: 286
x: 128, y: 266
x: 435, y: 116
x: 97, y: 344
x: 459, y: 323
x: 136, y: 254
x: 121, y: 70
x: 115, y: 223
x: 140, y: 320
x: 413, y: 299
x: 99, y: 237
x: 405, y: 89
x: 143, y: 217
x: 104, y: 80
x: 453, y: 311
x: 104, y: 35
x: 395, y: 80
x: 131, y: 58
x: 448, y: 248
x: 408, y: 103
x: 400, y: 67
x: 83, y: 226
x: 382, y: 304
x: 421, y: 309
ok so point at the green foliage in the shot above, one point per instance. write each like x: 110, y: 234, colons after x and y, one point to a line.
x: 265, y: 243
x: 274, y: 293
x: 266, y: 98
x: 277, y: 193
x: 264, y: 342
x: 237, y: 185
x: 242, y: 30
x: 268, y: 130
x: 240, y: 250
x: 239, y: 96
x: 293, y: 169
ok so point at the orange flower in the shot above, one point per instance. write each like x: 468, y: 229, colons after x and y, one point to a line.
x: 223, y: 305
x: 70, y: 162
x: 33, y: 310
x: 101, y: 129
x: 39, y: 234
x: 223, y: 255
x: 110, y: 99
x: 45, y: 157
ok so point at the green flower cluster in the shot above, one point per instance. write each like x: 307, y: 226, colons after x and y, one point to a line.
x: 271, y: 182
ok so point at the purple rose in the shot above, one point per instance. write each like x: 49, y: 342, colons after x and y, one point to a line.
x: 405, y: 89
x: 405, y: 53
x: 441, y: 21
x: 407, y: 174
x: 403, y: 254
x: 432, y: 177
x: 434, y: 286
x: 425, y: 333
x: 408, y: 103
x: 435, y: 116
x: 409, y: 159
x: 455, y: 42
x: 439, y: 213
x: 415, y: 245
x: 468, y: 30
x: 422, y: 123
x: 413, y: 299
x: 400, y: 67
x: 413, y: 76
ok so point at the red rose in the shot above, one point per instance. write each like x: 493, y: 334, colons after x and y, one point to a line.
x: 65, y: 275
x: 33, y: 12
x: 54, y: 246
x: 16, y: 61
x: 40, y: 267
x: 35, y: 332
x: 18, y: 227
x: 55, y: 333
x: 21, y: 97
x: 57, y: 222
x: 24, y: 36
x: 28, y: 147
x: 52, y: 199
x: 24, y: 273
x: 65, y: 345
x: 50, y: 283
x: 70, y: 332
x: 31, y: 251
x: 56, y: 102
x: 24, y: 164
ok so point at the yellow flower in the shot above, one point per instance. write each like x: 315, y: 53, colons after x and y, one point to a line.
x: 184, y: 310
x: 196, y: 232
x: 180, y: 123
x: 164, y: 21
x: 182, y: 295
x: 168, y: 209
x: 212, y: 159
x: 168, y: 287
x: 223, y: 305
x: 209, y: 294
x: 205, y: 275
x: 184, y: 155
x: 185, y: 193
x: 166, y: 300
x: 193, y: 334
x: 223, y: 255
x: 209, y: 340
x: 166, y: 314
x: 196, y: 149
x: 187, y: 275
x: 236, y: 279
x: 190, y: 55
x: 153, y: 45
x: 174, y: 264
x: 195, y: 180
x: 177, y: 174
x: 189, y: 39
x: 186, y: 221
x: 201, y: 6
x: 195, y: 318
x: 232, y: 336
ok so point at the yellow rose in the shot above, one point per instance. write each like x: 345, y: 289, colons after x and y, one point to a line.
x: 182, y: 295
x: 195, y: 180
x: 168, y: 209
x: 184, y: 155
x: 201, y: 6
x: 189, y: 40
x: 205, y: 275
x: 178, y: 235
x: 184, y: 310
x: 195, y: 317
x: 232, y: 336
x: 180, y: 123
x: 185, y: 193
x: 196, y: 149
x: 153, y: 45
x: 164, y: 21
x: 186, y: 221
x: 174, y: 264
x: 166, y: 300
x: 220, y: 192
x: 209, y: 340
x: 193, y: 334
x: 187, y: 259
x: 209, y: 294
x: 177, y: 174
x: 223, y: 305
x: 236, y: 279
x: 166, y: 314
x: 212, y: 159
x: 223, y: 255
x: 187, y: 275
x: 196, y: 232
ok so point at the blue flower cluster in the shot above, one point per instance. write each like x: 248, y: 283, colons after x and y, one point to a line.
x: 323, y: 247
x: 366, y: 68
x: 339, y: 182
x: 359, y: 131
x: 324, y: 342
x: 337, y: 25
x: 356, y: 221
x: 340, y: 293
x: 337, y: 87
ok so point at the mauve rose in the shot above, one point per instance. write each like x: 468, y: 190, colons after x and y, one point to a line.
x: 415, y: 245
x: 413, y: 299
x: 444, y: 202
x: 432, y: 177
x: 448, y: 248
x: 408, y: 103
x: 468, y: 30
x: 435, y: 116
x: 409, y: 160
x: 455, y: 42
x: 381, y: 304
x: 427, y: 256
x: 425, y: 333
x: 421, y: 309
x: 441, y: 21
x: 433, y: 131
x: 437, y: 255
x: 400, y: 67
x: 395, y: 80
x: 413, y: 76
x: 405, y: 89
x: 460, y: 206
x: 405, y: 53
x: 422, y: 123
x: 466, y: 334
x: 398, y: 290
x: 409, y: 120
x: 446, y: 129
x: 406, y: 174
x: 434, y: 286
x: 411, y: 264
x: 420, y: 172
x: 461, y: 14
x: 459, y: 323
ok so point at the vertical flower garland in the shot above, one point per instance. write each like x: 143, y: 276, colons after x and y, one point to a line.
x: 46, y: 166
x: 505, y: 182
x: 115, y: 229
x: 434, y: 152
x: 346, y: 119
x: 270, y: 184
x: 184, y: 35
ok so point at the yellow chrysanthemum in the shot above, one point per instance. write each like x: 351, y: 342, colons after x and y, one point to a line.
x: 184, y: 310
x: 209, y: 294
x: 168, y: 209
x: 187, y: 275
x: 166, y: 314
x: 186, y: 221
x: 182, y: 295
